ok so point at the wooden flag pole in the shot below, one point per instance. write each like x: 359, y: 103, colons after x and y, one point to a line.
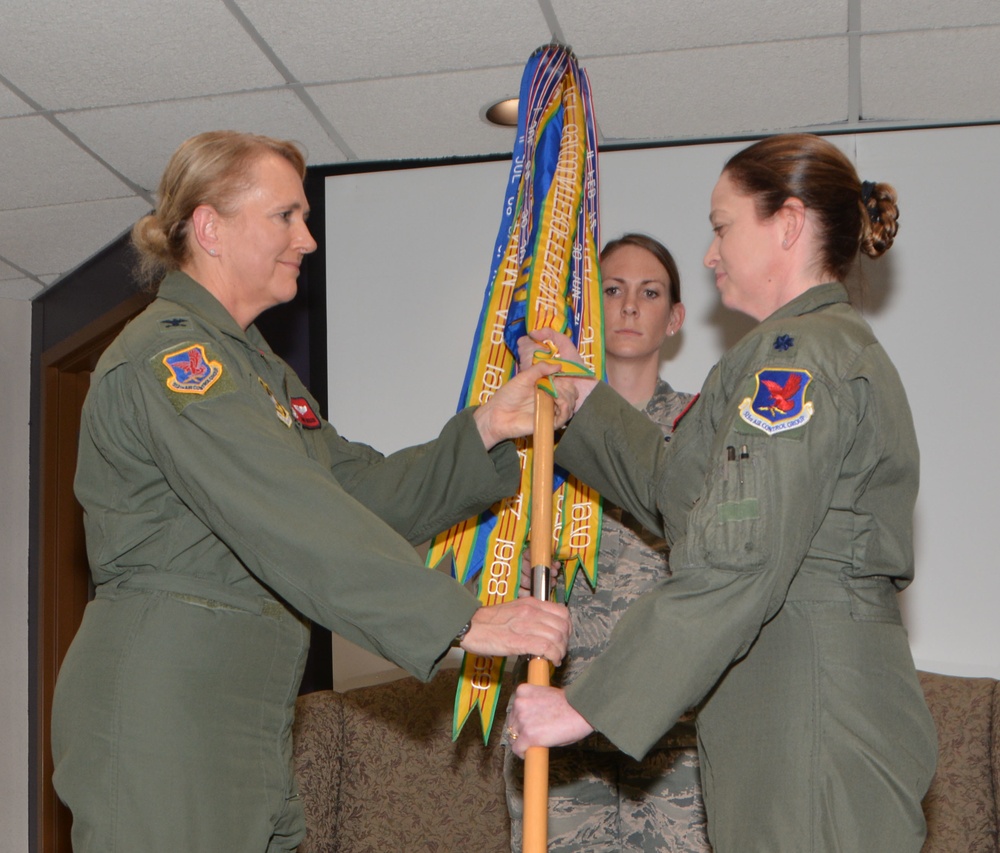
x: 536, y: 760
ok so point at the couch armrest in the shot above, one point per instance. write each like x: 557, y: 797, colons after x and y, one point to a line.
x: 962, y: 806
x: 995, y: 755
x: 318, y: 738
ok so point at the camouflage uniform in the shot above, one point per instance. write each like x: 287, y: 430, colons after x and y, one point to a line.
x: 599, y: 798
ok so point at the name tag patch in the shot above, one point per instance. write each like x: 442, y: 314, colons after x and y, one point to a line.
x: 778, y: 403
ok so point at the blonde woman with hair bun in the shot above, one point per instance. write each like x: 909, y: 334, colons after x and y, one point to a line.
x: 223, y: 514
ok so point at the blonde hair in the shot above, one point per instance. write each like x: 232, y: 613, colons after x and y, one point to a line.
x: 211, y: 168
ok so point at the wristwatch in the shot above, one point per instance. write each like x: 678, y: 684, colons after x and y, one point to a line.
x: 457, y: 642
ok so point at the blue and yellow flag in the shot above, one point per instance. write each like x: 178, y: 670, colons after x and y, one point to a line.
x: 544, y: 274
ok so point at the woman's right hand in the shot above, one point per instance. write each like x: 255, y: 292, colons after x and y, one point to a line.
x: 524, y: 626
x: 510, y: 412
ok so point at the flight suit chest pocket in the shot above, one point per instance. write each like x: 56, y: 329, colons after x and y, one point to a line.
x: 727, y: 527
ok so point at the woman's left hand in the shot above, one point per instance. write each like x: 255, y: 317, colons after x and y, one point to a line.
x: 510, y: 412
x: 536, y: 340
x: 541, y: 716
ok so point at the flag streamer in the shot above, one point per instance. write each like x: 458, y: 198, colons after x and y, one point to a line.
x: 544, y: 274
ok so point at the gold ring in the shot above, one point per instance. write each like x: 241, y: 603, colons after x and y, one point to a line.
x: 511, y: 734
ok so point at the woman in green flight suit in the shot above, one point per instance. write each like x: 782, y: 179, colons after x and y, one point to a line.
x: 222, y: 514
x: 787, y: 496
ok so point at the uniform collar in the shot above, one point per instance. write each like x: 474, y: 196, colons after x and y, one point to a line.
x: 813, y: 299
x: 180, y: 288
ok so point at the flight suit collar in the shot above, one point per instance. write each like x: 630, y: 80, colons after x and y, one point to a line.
x: 813, y: 299
x: 180, y: 288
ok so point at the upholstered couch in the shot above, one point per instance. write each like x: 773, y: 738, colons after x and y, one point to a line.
x: 378, y: 772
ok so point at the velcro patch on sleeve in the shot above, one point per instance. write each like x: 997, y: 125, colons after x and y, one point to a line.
x: 778, y: 403
x: 192, y: 373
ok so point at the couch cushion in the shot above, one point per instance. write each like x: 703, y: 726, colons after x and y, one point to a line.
x: 961, y: 805
x: 405, y: 786
x: 318, y: 738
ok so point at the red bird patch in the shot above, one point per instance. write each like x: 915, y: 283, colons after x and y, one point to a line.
x: 782, y: 396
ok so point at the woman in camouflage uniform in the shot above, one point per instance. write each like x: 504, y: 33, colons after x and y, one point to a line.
x: 601, y: 800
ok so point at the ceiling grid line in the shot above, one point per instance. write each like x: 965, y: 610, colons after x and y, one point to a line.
x: 297, y: 87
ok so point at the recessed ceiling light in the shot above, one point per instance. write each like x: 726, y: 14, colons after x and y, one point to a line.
x: 503, y: 113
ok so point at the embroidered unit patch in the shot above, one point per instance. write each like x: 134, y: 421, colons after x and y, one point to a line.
x: 778, y: 403
x: 191, y: 371
x: 304, y: 414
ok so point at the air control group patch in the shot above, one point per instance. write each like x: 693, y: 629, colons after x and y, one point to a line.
x: 191, y: 370
x: 191, y: 373
x: 778, y: 403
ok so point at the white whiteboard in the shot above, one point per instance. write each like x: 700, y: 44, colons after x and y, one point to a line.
x: 408, y: 254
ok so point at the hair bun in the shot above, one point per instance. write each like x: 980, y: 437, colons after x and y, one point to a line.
x: 879, y: 227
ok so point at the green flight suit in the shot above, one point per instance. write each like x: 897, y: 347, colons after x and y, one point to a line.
x: 221, y: 516
x: 789, y: 540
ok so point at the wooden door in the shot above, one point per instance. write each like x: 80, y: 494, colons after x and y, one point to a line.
x: 64, y: 586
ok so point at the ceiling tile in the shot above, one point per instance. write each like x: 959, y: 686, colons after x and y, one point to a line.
x: 128, y: 80
x: 351, y: 41
x: 917, y: 77
x: 41, y: 166
x: 138, y: 140
x: 125, y: 51
x: 52, y: 240
x: 598, y: 28
x: 437, y: 115
x: 720, y: 91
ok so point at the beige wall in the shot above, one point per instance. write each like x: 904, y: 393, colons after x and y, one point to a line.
x: 15, y: 375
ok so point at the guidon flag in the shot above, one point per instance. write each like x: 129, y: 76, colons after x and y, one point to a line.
x: 544, y: 274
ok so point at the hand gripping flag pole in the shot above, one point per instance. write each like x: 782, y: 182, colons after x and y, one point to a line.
x: 544, y: 274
